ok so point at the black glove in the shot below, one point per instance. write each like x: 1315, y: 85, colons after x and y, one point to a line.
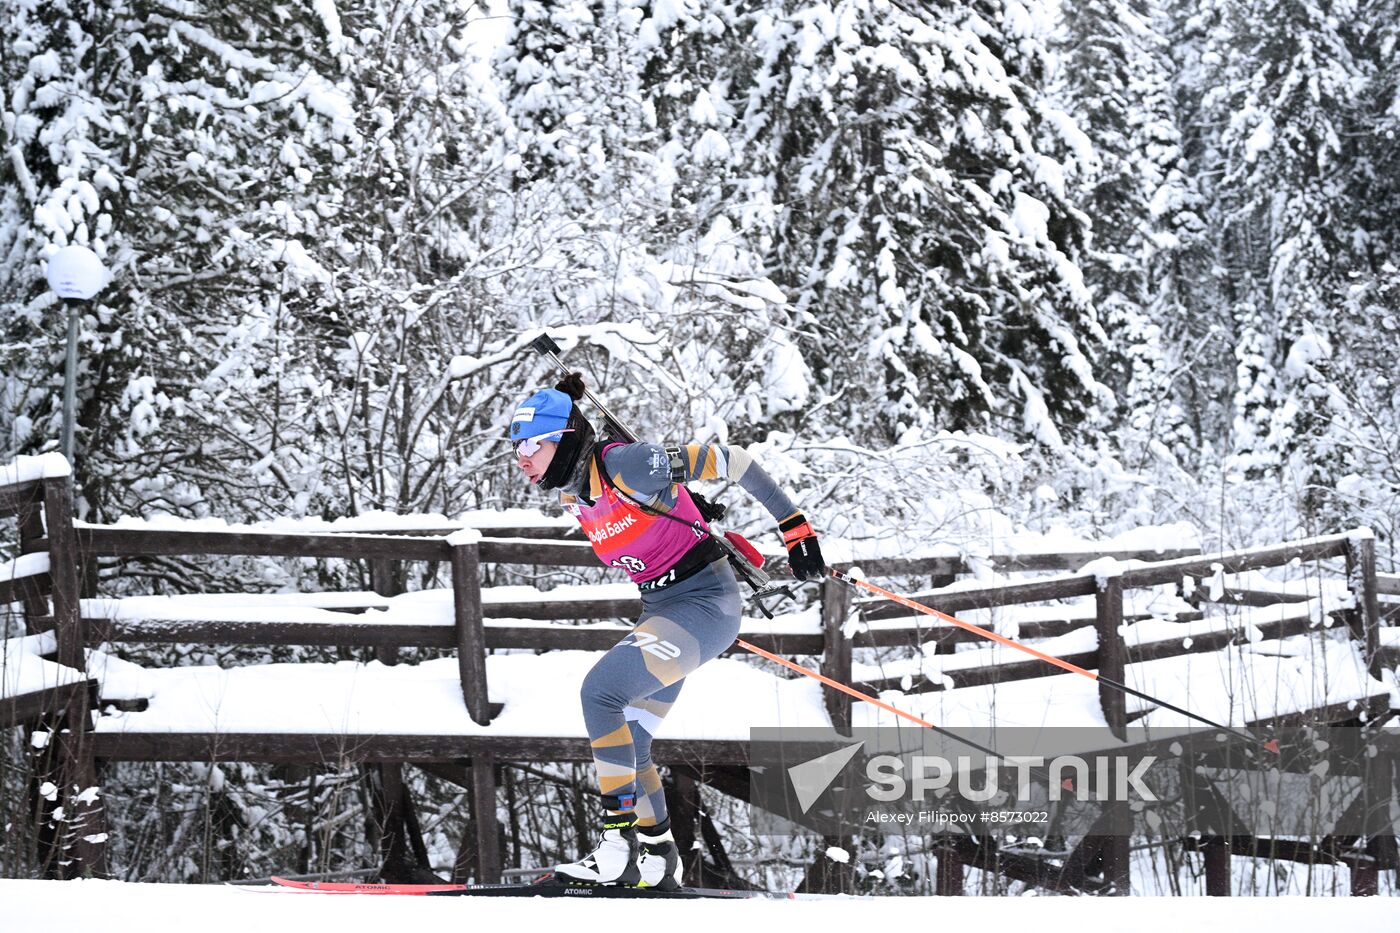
x: 804, y: 555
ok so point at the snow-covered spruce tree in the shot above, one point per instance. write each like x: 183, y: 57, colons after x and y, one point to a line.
x: 1193, y: 297
x: 1284, y: 92
x: 292, y: 203
x: 1114, y: 77
x: 621, y: 132
x: 1362, y: 390
x: 265, y: 182
x: 697, y: 61
x: 569, y: 93
x: 147, y: 133
x: 398, y: 302
x: 1375, y: 179
x: 1340, y: 371
x: 921, y: 233
x: 57, y: 186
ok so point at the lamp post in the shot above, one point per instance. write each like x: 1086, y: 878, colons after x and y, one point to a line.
x: 75, y: 275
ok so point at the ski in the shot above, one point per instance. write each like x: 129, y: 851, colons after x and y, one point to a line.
x: 361, y: 887
x: 542, y: 888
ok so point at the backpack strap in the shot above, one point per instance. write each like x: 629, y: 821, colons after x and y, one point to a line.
x: 677, y: 465
x: 649, y: 510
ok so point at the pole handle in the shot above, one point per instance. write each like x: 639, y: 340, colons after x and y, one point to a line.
x: 544, y: 345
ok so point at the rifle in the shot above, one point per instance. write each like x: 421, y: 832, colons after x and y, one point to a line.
x: 762, y: 585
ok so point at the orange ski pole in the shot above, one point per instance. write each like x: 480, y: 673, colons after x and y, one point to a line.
x: 837, y: 685
x: 1271, y: 745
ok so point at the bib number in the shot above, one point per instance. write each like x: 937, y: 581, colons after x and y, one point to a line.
x: 629, y: 563
x: 654, y: 646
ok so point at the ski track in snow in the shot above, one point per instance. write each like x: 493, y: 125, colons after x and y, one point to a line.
x: 120, y: 907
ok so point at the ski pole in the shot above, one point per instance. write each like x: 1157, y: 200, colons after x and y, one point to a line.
x: 1040, y: 772
x: 837, y: 685
x: 1271, y: 745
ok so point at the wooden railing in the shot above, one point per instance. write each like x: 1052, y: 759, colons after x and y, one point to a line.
x: 527, y: 545
x: 1357, y: 550
x: 473, y: 639
x: 52, y: 602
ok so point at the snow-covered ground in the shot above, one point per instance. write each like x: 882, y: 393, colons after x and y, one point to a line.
x: 722, y: 700
x: 117, y: 907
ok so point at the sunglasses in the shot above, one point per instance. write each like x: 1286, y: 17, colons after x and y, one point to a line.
x: 529, y: 446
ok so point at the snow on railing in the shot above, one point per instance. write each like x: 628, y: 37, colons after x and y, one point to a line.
x: 28, y: 469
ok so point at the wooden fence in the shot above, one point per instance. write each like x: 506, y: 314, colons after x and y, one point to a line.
x: 52, y: 602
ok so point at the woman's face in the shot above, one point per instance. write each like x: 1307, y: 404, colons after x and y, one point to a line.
x: 537, y: 463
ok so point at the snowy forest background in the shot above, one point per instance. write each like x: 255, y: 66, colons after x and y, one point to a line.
x: 950, y: 269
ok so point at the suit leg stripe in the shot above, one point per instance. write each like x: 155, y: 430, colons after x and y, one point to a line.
x: 644, y: 718
x: 619, y: 736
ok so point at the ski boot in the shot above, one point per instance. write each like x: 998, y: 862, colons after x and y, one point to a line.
x: 660, y: 861
x: 614, y: 862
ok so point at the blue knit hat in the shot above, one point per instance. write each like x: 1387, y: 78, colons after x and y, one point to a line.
x: 543, y: 416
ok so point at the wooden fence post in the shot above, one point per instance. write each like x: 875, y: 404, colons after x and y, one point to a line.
x: 1113, y: 653
x: 824, y: 874
x: 471, y: 663
x: 1217, y: 857
x: 31, y: 528
x: 948, y: 874
x: 684, y: 809
x: 1115, y: 847
x: 382, y: 581
x: 1365, y: 877
x: 401, y: 846
x: 1366, y: 618
x: 836, y: 650
x: 63, y: 571
x: 488, y: 826
x: 1378, y: 830
x: 81, y: 841
x: 471, y: 634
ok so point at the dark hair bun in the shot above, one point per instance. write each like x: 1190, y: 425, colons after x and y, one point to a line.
x: 571, y: 385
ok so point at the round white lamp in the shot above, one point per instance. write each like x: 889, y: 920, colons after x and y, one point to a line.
x: 75, y: 274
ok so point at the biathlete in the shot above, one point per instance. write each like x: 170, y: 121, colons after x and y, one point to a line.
x: 631, y: 501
